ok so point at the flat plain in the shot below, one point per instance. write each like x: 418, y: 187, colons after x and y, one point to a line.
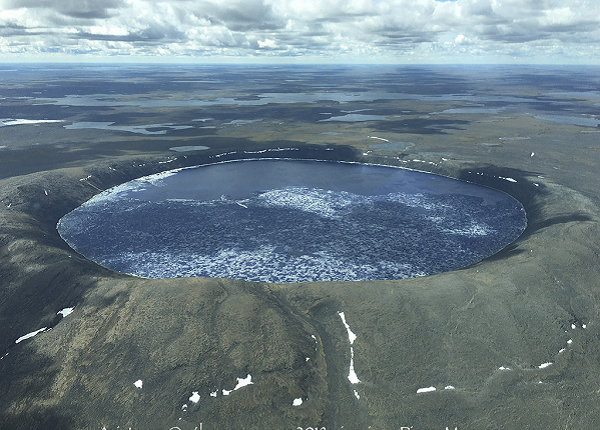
x: 510, y: 342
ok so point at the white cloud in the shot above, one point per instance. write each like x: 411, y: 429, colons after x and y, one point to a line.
x: 369, y: 30
x: 267, y: 43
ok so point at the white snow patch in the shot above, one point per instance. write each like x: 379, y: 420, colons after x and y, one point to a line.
x: 379, y: 138
x: 214, y: 394
x: 7, y: 122
x: 561, y: 350
x: 351, y: 335
x: 449, y: 387
x: 139, y: 383
x: 544, y: 365
x: 503, y: 368
x: 570, y: 341
x: 352, y: 377
x: 240, y: 383
x: 297, y: 402
x: 425, y: 390
x: 515, y: 138
x: 64, y: 312
x: 243, y: 382
x: 508, y: 179
x: 356, y: 394
x: 33, y: 333
x: 195, y: 397
x: 573, y: 326
x: 584, y: 326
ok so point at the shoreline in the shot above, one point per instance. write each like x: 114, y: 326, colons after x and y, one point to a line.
x: 332, y: 270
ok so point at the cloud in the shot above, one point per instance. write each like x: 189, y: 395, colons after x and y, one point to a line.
x: 426, y: 30
x: 86, y: 9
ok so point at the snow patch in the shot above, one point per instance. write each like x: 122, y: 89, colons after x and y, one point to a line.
x: 379, y: 138
x: 297, y: 402
x: 243, y: 382
x: 7, y: 122
x: 33, y: 333
x: 352, y: 377
x: 195, y: 397
x: 139, y: 383
x: 240, y: 383
x: 425, y: 390
x: 351, y: 335
x: 64, y: 312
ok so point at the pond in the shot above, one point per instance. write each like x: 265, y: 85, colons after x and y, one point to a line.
x: 275, y: 220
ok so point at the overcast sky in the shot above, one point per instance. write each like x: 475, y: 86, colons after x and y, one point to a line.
x: 338, y: 31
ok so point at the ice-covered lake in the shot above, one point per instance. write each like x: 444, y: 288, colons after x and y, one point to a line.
x: 293, y: 221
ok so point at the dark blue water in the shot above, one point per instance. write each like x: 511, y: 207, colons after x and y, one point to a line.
x: 293, y: 221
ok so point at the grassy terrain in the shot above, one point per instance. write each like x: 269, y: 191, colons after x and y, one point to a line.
x: 488, y: 330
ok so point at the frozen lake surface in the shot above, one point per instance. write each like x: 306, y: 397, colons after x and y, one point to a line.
x: 293, y: 221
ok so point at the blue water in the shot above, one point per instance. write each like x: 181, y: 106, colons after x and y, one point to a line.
x: 293, y: 221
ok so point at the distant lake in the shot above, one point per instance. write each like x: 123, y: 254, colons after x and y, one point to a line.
x: 293, y: 221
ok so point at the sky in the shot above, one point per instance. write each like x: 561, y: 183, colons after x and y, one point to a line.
x: 302, y: 31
